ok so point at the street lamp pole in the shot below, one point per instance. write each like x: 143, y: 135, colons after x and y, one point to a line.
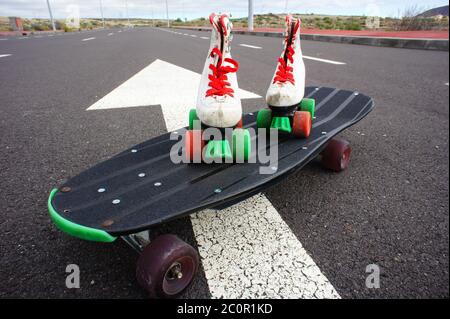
x: 51, y: 16
x: 150, y: 3
x: 167, y: 13
x: 101, y: 12
x: 126, y: 9
x: 153, y: 17
x: 250, y: 15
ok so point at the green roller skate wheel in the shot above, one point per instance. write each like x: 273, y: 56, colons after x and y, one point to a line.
x: 264, y: 118
x: 242, y: 145
x: 308, y: 105
x: 193, y: 117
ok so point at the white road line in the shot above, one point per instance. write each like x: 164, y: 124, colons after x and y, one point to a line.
x: 193, y: 35
x: 250, y: 46
x: 323, y: 60
x: 247, y: 250
x: 185, y: 34
x: 446, y: 83
x: 3, y: 39
x: 204, y: 38
x: 4, y: 55
x: 110, y: 34
x: 88, y: 39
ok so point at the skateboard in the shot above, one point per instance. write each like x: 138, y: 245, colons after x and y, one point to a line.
x: 128, y: 194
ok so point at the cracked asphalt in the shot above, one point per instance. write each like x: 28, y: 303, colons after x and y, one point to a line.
x: 389, y: 208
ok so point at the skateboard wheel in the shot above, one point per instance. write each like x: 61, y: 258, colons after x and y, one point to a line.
x: 192, y: 117
x: 242, y: 145
x: 308, y: 105
x: 264, y: 118
x: 336, y: 155
x: 301, y: 126
x: 166, y: 266
x: 194, y: 145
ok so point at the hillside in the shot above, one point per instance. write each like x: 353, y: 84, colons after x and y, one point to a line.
x: 436, y: 12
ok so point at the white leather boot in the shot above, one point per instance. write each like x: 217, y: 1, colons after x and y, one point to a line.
x: 218, y: 104
x: 287, y: 88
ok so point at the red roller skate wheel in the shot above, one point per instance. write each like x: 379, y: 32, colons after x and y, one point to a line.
x: 301, y: 126
x: 194, y: 145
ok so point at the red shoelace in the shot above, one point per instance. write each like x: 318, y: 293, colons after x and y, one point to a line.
x: 284, y: 72
x: 219, y: 85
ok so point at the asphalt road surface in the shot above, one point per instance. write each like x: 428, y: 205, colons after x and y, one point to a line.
x: 390, y: 208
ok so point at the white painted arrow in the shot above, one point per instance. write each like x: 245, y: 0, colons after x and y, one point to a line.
x: 160, y: 83
x: 247, y: 250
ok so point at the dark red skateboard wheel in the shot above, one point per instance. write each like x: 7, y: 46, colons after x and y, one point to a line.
x: 301, y: 124
x: 166, y: 266
x: 336, y: 155
x: 194, y: 145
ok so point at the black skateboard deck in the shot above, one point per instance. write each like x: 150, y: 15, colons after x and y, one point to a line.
x: 141, y: 187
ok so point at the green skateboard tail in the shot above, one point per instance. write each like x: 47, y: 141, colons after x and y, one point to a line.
x: 76, y: 230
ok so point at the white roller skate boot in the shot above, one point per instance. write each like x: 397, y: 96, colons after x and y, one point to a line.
x: 218, y: 103
x: 287, y: 107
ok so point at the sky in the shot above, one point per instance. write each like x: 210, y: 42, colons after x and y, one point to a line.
x: 191, y: 9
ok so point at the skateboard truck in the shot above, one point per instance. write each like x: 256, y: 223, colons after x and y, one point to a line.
x: 138, y: 241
